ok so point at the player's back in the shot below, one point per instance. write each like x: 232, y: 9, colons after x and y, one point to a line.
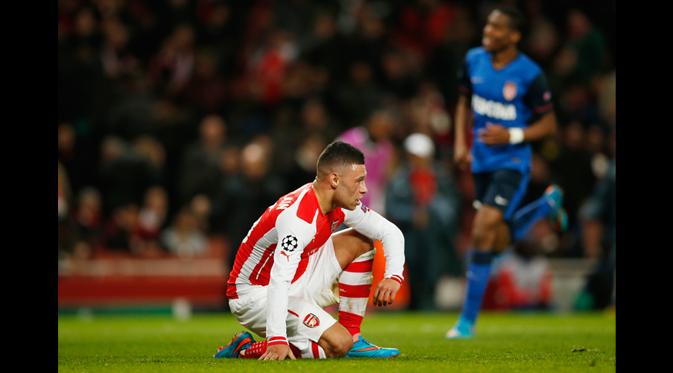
x: 254, y: 258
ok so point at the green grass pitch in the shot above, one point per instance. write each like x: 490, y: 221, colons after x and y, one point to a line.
x: 506, y: 342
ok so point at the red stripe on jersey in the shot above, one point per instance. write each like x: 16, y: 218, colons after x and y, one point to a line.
x: 354, y: 291
x: 277, y: 338
x: 301, y: 268
x: 260, y: 275
x: 360, y: 267
x: 266, y: 223
x: 292, y: 312
x: 314, y: 349
x: 308, y: 207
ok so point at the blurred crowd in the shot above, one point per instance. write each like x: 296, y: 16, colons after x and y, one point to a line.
x: 180, y: 121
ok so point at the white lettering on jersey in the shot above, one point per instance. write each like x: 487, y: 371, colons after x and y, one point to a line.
x: 284, y: 203
x: 493, y: 109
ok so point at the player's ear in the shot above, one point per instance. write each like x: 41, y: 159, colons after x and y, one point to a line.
x: 515, y: 37
x: 334, y: 180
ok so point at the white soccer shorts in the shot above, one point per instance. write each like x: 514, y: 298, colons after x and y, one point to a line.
x: 307, y: 296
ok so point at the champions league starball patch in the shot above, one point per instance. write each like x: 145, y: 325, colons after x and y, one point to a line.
x: 289, y: 243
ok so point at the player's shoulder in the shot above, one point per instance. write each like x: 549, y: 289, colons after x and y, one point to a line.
x: 298, y: 206
x: 531, y: 68
x: 476, y: 54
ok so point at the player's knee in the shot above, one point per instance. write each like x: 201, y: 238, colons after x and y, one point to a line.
x: 342, y: 346
x: 338, y: 345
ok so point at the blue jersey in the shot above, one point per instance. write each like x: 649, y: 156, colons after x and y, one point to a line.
x: 513, y: 96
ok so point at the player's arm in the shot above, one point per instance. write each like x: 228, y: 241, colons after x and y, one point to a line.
x: 461, y: 152
x: 542, y: 124
x: 293, y: 235
x: 376, y: 227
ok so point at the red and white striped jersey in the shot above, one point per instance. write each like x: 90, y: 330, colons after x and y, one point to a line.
x: 277, y: 248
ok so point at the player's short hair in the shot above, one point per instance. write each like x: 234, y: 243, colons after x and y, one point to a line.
x: 516, y: 19
x: 339, y: 153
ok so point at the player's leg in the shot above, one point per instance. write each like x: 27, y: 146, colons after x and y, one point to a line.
x: 355, y: 254
x: 498, y: 193
x: 312, y: 332
x: 550, y: 206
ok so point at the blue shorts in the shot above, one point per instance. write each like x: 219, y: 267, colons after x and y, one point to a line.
x: 503, y: 189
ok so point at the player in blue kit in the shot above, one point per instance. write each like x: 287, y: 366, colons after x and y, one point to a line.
x: 510, y: 102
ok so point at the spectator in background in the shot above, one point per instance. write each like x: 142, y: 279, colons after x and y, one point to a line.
x: 151, y: 220
x: 599, y: 218
x: 122, y: 231
x: 587, y: 45
x: 244, y: 197
x: 65, y: 234
x: 304, y: 160
x: 124, y: 174
x: 522, y: 277
x: 315, y: 119
x: 153, y: 154
x: 206, y: 90
x: 89, y: 222
x: 421, y: 200
x: 573, y: 170
x: 199, y: 166
x: 357, y: 96
x: 373, y: 141
x: 116, y: 58
x: 183, y: 238
x: 172, y: 68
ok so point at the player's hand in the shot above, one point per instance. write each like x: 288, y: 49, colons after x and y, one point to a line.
x: 462, y: 156
x: 386, y: 292
x: 278, y: 352
x: 494, y: 134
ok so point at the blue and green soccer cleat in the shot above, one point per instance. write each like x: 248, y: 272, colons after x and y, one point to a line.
x: 362, y: 348
x: 462, y: 329
x: 241, y: 341
x: 558, y: 215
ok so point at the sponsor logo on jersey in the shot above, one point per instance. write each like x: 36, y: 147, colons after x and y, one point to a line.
x: 311, y: 320
x: 509, y: 91
x: 493, y: 109
x: 364, y: 208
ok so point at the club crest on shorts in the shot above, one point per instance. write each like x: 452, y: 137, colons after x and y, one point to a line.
x: 509, y: 91
x: 311, y: 320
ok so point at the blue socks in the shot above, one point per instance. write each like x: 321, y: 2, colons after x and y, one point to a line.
x: 525, y: 217
x: 478, y: 274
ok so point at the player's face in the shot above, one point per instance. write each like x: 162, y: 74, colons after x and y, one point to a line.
x: 497, y: 33
x: 351, y: 187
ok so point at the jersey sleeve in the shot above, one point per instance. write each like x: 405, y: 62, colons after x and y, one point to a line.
x: 294, y: 234
x: 376, y: 227
x: 464, y: 82
x: 538, y: 97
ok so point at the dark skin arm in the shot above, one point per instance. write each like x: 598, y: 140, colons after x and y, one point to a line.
x: 495, y: 134
x: 461, y: 153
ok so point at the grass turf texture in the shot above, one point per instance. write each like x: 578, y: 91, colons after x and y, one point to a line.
x: 520, y: 342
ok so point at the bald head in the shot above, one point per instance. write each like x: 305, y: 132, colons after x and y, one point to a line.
x: 336, y: 155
